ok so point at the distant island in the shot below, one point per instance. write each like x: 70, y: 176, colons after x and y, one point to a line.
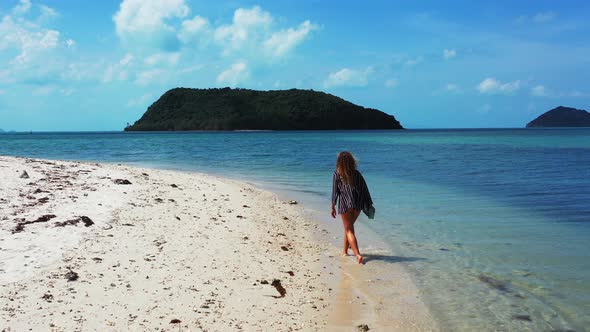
x: 242, y: 109
x: 562, y: 117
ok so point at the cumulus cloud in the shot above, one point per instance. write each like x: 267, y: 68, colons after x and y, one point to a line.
x: 492, y: 86
x: 237, y: 73
x: 348, y: 77
x: 193, y: 28
x: 539, y: 91
x: 247, y: 23
x: 27, y: 39
x: 164, y: 25
x: 118, y: 71
x: 22, y: 7
x: 448, y: 54
x: 144, y: 23
x: 283, y: 41
x: 162, y: 59
x: 47, y: 13
x: 34, y: 54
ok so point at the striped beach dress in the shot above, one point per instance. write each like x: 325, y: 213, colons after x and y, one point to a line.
x: 353, y: 196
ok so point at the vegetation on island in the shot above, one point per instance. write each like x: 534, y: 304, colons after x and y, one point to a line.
x: 244, y: 109
x: 562, y: 117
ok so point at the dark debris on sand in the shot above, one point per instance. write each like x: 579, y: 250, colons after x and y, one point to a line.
x: 72, y: 276
x: 362, y: 327
x: 86, y: 220
x: 21, y: 225
x: 276, y: 283
x: 47, y: 297
x: 121, y: 181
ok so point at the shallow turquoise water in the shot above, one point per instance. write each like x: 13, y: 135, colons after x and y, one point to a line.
x: 512, y: 205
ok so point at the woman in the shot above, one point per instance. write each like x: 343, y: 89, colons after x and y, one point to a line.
x: 350, y: 191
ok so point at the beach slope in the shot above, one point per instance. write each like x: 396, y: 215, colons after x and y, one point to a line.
x: 88, y: 246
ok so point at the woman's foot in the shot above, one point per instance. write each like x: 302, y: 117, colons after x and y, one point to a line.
x: 344, y: 254
x: 359, y: 259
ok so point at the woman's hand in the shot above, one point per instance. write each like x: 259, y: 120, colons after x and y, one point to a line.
x: 333, y: 213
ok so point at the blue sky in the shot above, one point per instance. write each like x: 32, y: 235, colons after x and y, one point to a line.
x: 96, y: 65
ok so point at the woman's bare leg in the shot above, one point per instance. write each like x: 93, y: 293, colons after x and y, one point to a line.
x: 348, y: 220
x: 346, y: 246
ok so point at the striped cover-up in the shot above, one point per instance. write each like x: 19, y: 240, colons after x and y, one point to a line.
x: 354, y: 196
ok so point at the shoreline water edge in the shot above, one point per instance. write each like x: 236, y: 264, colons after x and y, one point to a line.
x: 112, y: 247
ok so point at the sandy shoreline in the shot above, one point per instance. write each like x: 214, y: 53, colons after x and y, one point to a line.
x: 175, y: 250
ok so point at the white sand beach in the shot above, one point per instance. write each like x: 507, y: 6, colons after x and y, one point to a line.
x: 178, y: 251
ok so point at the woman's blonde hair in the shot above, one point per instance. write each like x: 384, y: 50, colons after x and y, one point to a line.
x: 345, y: 166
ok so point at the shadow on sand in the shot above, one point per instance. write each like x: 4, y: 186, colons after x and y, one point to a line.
x: 390, y: 259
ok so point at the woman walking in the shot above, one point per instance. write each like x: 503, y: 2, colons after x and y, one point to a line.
x: 350, y: 191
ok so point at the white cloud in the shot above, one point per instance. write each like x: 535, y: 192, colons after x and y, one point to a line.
x: 283, y: 41
x: 492, y: 86
x: 162, y: 59
x: 47, y: 14
x: 147, y: 25
x: 30, y: 41
x: 237, y: 73
x: 448, y: 54
x: 118, y: 71
x: 143, y: 23
x: 544, y: 17
x: 539, y: 91
x: 246, y: 24
x: 391, y: 83
x: 348, y: 77
x: 193, y: 28
x: 34, y: 53
x: 150, y: 76
x: 70, y: 43
x: 22, y: 7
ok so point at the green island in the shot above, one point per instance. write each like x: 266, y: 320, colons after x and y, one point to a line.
x: 183, y: 109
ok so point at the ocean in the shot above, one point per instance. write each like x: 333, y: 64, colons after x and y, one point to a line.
x: 494, y: 223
